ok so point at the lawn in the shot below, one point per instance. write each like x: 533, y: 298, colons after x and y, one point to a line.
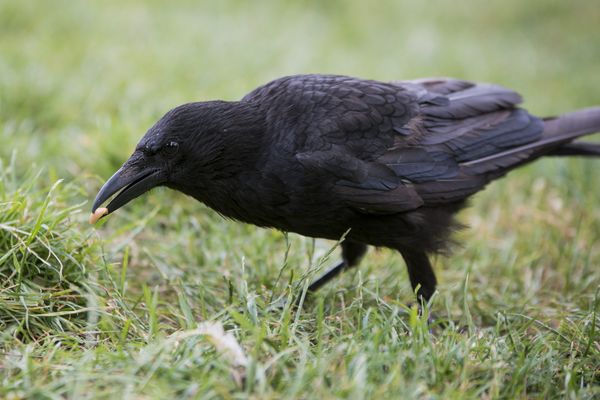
x: 132, y: 308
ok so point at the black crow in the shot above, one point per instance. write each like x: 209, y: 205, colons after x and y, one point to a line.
x: 390, y: 163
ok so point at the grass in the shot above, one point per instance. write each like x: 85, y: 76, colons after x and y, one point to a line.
x: 125, y: 310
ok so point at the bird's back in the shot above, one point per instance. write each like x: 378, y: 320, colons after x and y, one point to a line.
x: 403, y: 143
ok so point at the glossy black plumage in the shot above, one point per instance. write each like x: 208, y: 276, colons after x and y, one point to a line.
x: 319, y: 155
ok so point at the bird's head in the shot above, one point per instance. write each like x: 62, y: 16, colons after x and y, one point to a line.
x: 186, y: 148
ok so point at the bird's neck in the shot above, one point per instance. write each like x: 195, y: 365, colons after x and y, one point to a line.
x: 242, y: 135
x: 237, y: 153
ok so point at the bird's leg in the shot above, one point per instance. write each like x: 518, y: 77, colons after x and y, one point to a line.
x: 420, y: 273
x: 352, y: 252
x: 422, y: 279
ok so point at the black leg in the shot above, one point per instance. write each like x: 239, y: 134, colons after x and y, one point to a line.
x: 352, y: 252
x: 420, y: 272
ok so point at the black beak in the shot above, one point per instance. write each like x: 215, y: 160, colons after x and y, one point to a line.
x: 131, y: 182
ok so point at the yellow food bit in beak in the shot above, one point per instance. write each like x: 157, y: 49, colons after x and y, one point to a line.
x: 96, y: 215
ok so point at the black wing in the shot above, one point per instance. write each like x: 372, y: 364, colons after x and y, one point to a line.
x: 478, y: 136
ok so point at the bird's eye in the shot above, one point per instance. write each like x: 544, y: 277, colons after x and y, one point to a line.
x: 170, y: 149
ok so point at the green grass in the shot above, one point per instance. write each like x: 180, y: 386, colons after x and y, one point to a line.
x: 117, y: 311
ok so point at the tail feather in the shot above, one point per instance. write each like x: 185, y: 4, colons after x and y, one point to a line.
x: 573, y: 124
x: 557, y: 139
x: 584, y: 149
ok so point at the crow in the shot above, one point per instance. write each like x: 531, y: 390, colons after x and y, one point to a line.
x: 386, y: 164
